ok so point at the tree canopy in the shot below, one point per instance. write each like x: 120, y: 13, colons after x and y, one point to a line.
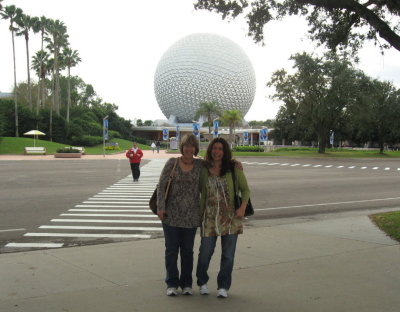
x: 333, y: 23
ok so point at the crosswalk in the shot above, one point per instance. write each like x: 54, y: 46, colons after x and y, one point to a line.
x: 384, y: 168
x: 119, y: 212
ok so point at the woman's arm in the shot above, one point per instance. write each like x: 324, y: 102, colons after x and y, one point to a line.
x: 244, y: 191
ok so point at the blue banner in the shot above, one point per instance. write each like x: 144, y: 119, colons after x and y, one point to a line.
x: 178, y: 133
x: 264, y: 135
x: 165, y: 134
x: 246, y: 136
x: 196, y: 130
x: 105, y: 129
x: 331, y: 137
x: 216, y: 128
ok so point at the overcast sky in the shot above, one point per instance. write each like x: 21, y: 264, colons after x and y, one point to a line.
x: 120, y: 43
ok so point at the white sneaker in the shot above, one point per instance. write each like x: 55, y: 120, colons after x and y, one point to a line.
x: 204, y: 290
x: 187, y: 291
x: 172, y: 291
x: 222, y: 293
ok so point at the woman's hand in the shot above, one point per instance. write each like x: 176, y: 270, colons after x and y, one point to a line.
x: 162, y: 214
x: 239, y: 213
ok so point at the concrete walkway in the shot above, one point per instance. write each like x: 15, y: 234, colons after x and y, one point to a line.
x: 320, y: 263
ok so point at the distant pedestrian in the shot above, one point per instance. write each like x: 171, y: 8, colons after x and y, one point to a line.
x: 135, y: 155
x: 158, y: 144
x: 153, y: 146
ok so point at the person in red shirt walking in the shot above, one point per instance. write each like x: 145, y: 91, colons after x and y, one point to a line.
x: 135, y: 155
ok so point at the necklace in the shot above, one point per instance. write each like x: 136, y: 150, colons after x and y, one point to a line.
x: 187, y: 163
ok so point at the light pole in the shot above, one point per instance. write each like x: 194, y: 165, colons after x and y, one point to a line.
x: 105, y: 134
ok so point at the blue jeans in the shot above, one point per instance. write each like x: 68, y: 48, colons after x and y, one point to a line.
x: 179, y: 240
x: 207, y: 246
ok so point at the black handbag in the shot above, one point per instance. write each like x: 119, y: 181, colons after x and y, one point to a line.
x: 238, y: 199
x: 153, y: 198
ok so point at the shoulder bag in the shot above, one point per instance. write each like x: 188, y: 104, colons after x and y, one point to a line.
x: 238, y: 199
x: 153, y: 199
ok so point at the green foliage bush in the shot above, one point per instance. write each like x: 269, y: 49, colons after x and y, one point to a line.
x: 113, y: 148
x: 292, y: 149
x: 86, y: 140
x: 67, y: 150
x: 248, y: 149
x: 112, y: 134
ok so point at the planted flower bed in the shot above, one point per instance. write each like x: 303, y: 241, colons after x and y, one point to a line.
x: 68, y: 152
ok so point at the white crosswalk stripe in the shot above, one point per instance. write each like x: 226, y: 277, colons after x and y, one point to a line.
x: 307, y: 165
x: 120, y: 204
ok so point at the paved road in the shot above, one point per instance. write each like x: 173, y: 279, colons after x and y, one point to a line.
x: 69, y: 203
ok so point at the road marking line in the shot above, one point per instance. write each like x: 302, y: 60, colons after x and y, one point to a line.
x: 308, y: 165
x: 294, y: 165
x: 327, y: 204
x: 34, y: 245
x: 109, y: 215
x: 122, y: 196
x: 106, y: 221
x: 351, y: 167
x: 110, y: 206
x: 329, y: 166
x: 12, y: 230
x: 114, y: 202
x: 316, y: 166
x: 375, y: 168
x: 363, y: 168
x: 87, y: 235
x: 339, y: 166
x: 113, y: 228
x: 112, y: 198
x: 387, y: 168
x: 285, y: 164
x: 109, y: 210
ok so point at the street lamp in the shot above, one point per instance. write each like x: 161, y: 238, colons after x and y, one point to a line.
x: 105, y: 134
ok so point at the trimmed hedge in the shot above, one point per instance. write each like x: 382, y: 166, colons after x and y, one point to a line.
x: 248, y: 149
x: 86, y: 140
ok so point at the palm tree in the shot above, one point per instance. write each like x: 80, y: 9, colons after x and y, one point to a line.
x: 232, y: 118
x: 57, y: 38
x: 25, y: 23
x: 71, y: 59
x: 39, y: 61
x: 40, y: 26
x: 12, y: 13
x: 210, y: 110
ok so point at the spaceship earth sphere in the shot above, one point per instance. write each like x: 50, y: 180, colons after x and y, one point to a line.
x: 203, y: 68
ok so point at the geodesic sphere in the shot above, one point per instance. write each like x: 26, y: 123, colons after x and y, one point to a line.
x: 203, y: 68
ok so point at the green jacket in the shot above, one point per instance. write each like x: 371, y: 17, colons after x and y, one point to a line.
x: 241, y: 185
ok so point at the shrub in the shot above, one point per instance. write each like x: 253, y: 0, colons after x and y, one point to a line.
x: 248, y: 149
x: 86, y: 140
x: 67, y: 150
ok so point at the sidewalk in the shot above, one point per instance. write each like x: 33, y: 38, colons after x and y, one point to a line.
x: 321, y: 263
x: 147, y: 154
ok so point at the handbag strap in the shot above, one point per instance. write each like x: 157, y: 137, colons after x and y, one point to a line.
x: 170, y: 180
x: 234, y: 179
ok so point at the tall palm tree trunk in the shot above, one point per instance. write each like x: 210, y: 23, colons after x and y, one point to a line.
x: 29, y: 72
x: 69, y: 93
x: 15, y: 88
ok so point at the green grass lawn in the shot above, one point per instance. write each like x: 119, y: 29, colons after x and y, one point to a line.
x: 388, y: 222
x: 15, y: 146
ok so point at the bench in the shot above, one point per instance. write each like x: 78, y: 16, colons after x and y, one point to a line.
x: 35, y: 150
x: 79, y: 148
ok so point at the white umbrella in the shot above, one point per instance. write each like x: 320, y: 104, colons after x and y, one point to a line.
x: 34, y: 133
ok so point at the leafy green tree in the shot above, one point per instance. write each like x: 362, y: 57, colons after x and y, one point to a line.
x: 148, y: 123
x: 232, y: 118
x: 139, y: 123
x: 210, y: 110
x: 71, y: 59
x: 334, y: 23
x: 320, y: 90
x: 12, y: 13
x: 376, y: 112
